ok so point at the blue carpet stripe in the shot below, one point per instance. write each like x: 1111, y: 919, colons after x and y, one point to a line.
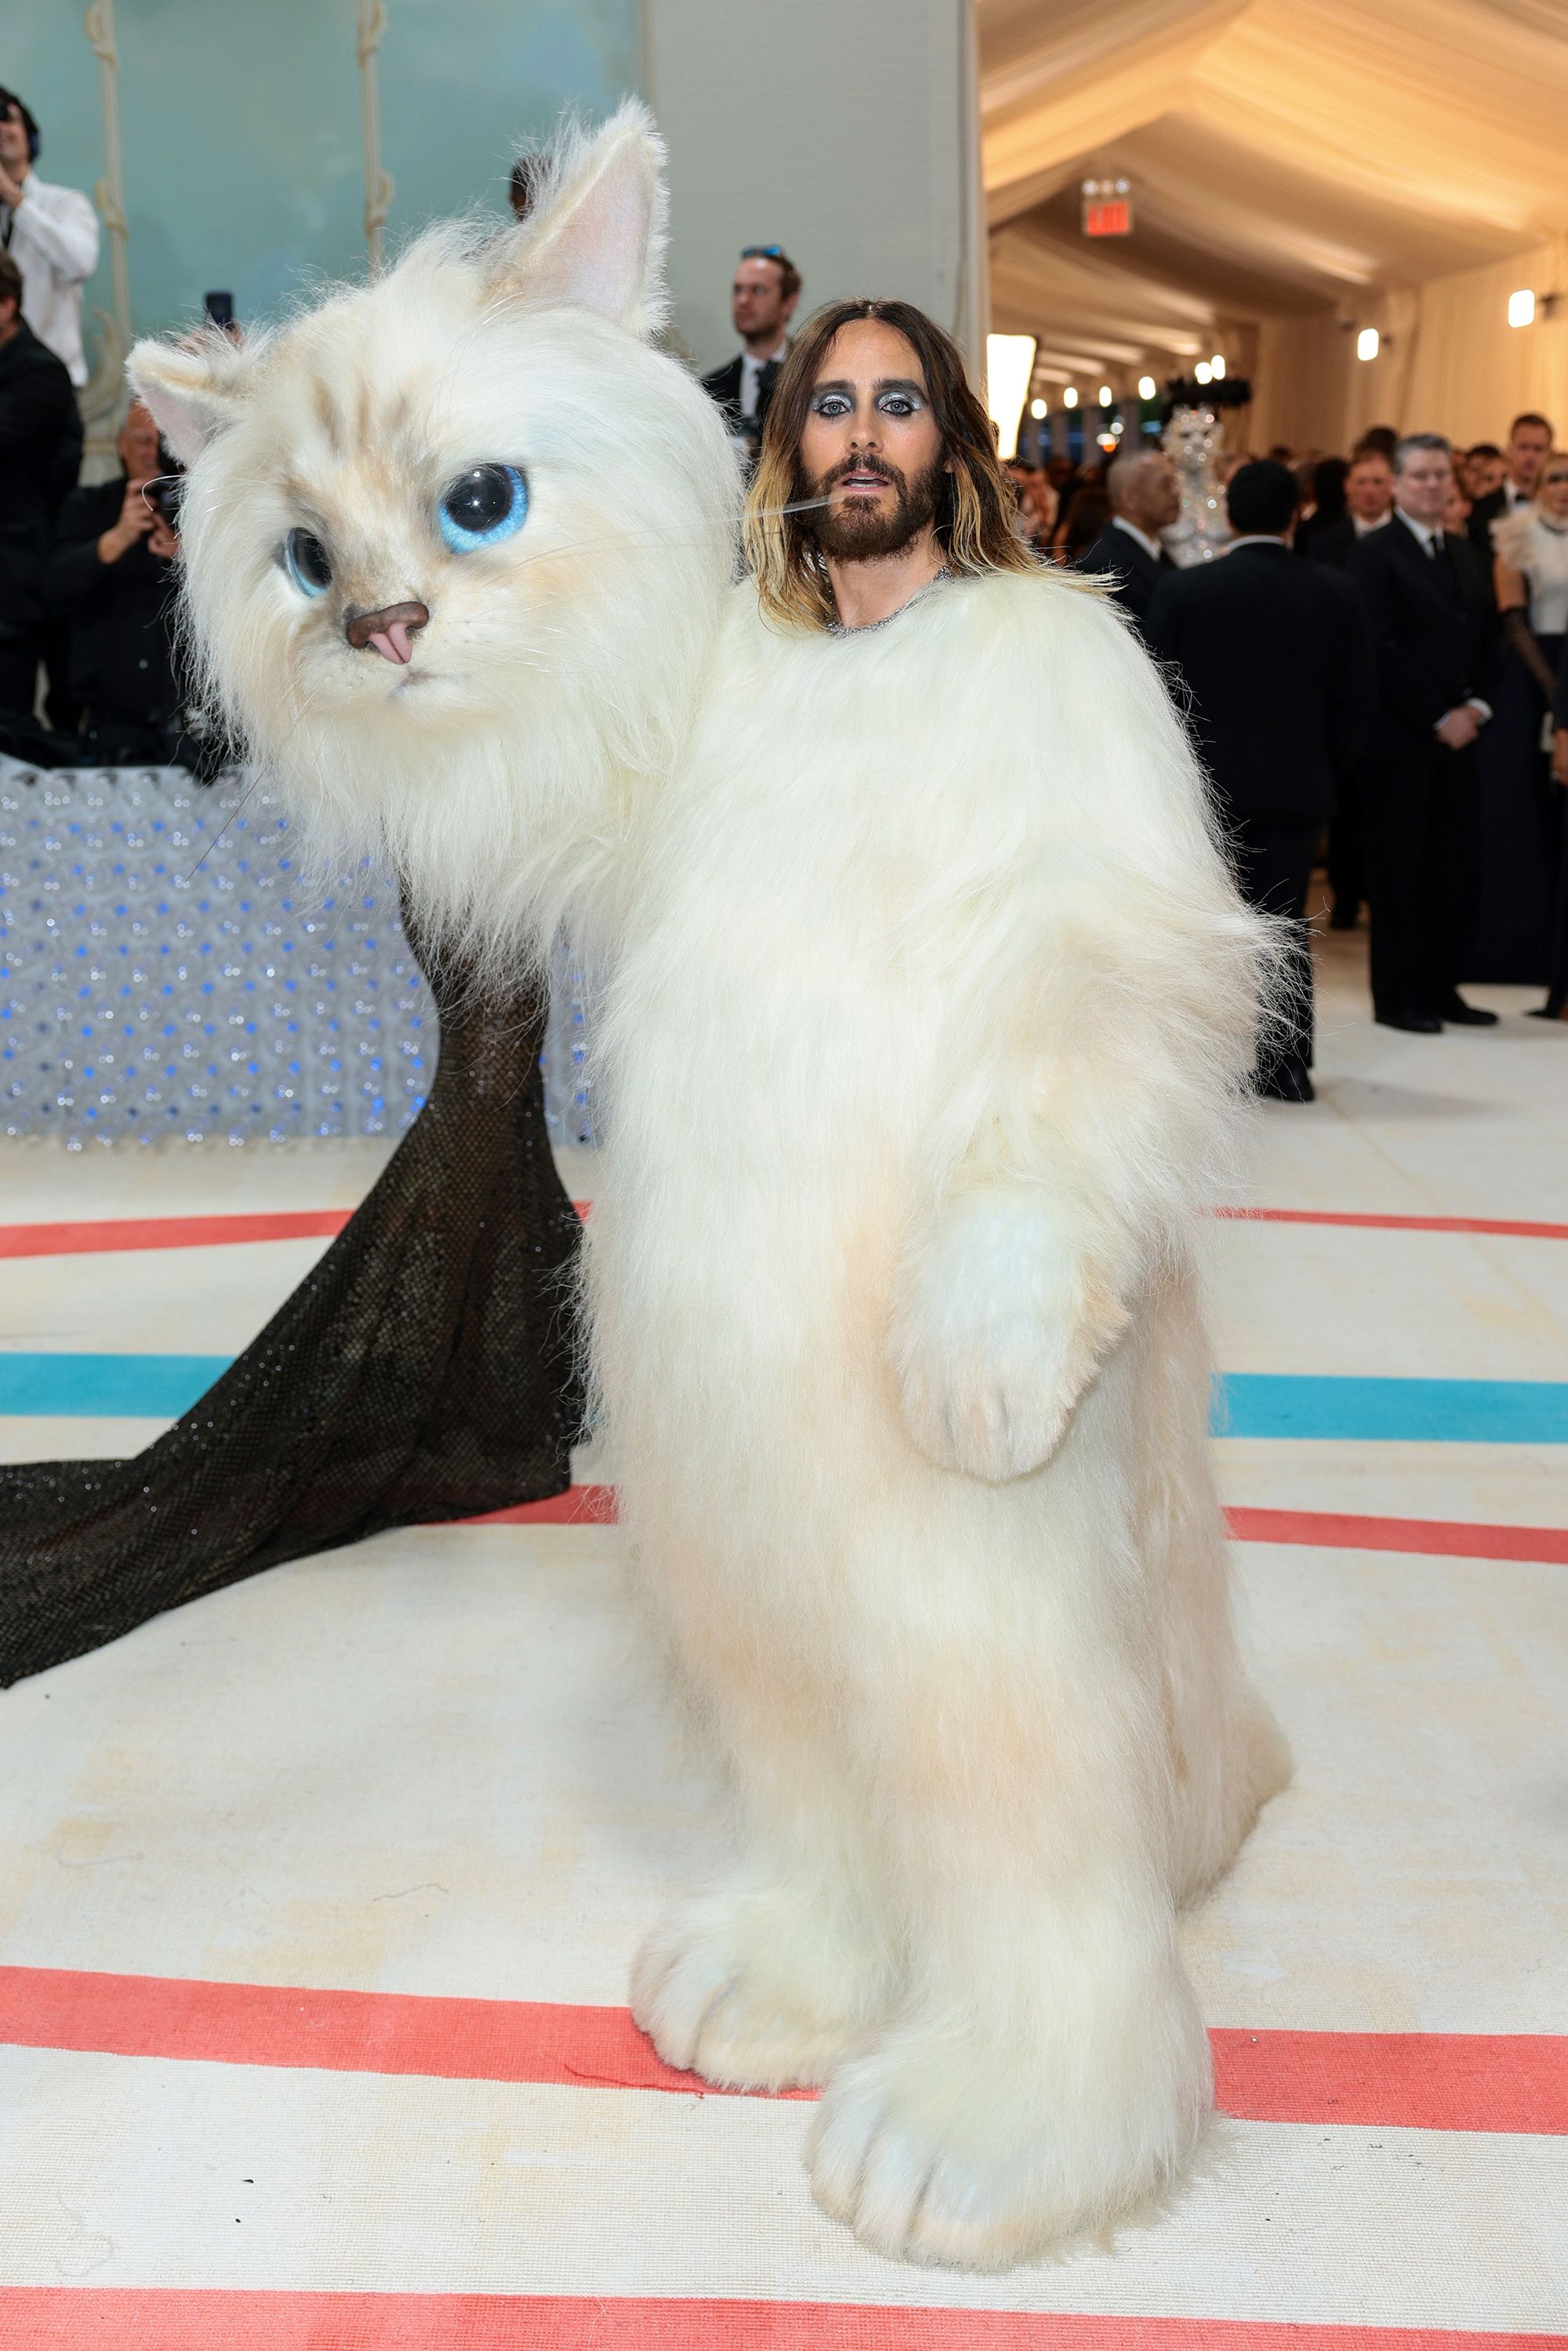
x: 1246, y: 1403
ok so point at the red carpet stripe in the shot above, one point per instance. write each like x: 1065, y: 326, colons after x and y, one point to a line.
x: 1442, y: 1537
x: 1409, y: 2081
x: 1520, y: 1228
x: 1323, y: 1530
x: 87, y: 1238
x: 90, y: 1235
x: 163, y: 2318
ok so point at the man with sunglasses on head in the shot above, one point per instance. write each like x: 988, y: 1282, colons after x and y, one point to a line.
x: 762, y: 297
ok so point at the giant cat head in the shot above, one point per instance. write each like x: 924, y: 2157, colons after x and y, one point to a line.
x: 455, y: 541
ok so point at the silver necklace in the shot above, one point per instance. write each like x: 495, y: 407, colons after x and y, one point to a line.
x: 837, y: 629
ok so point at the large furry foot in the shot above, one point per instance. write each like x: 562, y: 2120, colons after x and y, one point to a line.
x: 754, y: 1990
x: 933, y: 2150
x: 997, y: 1334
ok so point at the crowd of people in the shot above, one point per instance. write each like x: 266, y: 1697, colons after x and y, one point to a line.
x: 1376, y: 674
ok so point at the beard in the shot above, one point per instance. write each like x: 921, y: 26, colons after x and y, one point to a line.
x: 854, y: 531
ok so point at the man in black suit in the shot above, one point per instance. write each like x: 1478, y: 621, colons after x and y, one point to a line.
x: 1368, y: 504
x: 1146, y: 499
x: 40, y: 452
x: 762, y: 299
x: 1276, y: 660
x: 1433, y: 629
x: 1529, y: 443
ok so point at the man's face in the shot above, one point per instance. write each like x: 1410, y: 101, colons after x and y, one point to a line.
x: 1369, y: 489
x: 1422, y: 485
x: 139, y: 443
x: 13, y: 140
x: 1152, y: 498
x: 1527, y: 448
x: 871, y: 445
x: 1487, y: 473
x: 757, y: 306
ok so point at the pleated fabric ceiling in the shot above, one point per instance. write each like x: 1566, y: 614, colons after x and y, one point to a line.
x: 1298, y: 168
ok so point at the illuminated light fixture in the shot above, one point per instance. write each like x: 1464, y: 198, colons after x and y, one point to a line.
x: 1107, y: 397
x: 1146, y: 387
x: 1009, y: 364
x: 1070, y: 397
x: 1521, y: 308
x: 1107, y: 440
x: 1037, y: 410
x: 1366, y: 343
x: 1203, y: 372
x: 1217, y: 367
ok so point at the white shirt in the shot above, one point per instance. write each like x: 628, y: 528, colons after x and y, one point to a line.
x: 1151, y: 546
x: 1361, y: 528
x: 52, y: 237
x: 750, y: 370
x: 1429, y: 536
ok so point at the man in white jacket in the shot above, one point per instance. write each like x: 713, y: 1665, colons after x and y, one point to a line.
x: 50, y: 233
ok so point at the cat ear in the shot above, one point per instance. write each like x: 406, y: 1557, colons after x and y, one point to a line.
x: 194, y: 387
x: 595, y: 233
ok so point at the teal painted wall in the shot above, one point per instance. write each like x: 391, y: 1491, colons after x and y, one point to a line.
x: 240, y: 124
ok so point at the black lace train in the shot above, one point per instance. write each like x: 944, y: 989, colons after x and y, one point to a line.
x: 424, y: 1369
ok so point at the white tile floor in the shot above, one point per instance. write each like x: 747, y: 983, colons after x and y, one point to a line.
x: 440, y: 1764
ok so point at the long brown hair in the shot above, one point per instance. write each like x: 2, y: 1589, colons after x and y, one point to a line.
x: 977, y: 514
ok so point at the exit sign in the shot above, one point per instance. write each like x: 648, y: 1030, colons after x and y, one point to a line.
x: 1107, y: 216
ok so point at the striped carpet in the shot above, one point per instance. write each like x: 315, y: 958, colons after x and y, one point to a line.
x: 317, y: 1899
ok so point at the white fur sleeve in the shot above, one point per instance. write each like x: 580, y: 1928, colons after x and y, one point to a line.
x: 1112, y: 1028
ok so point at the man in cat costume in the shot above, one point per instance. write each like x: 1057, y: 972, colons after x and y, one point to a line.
x: 931, y: 1002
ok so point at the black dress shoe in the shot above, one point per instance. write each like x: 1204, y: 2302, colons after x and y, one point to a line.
x: 1291, y: 1085
x: 1465, y: 1016
x: 1419, y: 1024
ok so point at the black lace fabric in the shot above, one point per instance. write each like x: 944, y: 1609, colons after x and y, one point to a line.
x: 424, y: 1369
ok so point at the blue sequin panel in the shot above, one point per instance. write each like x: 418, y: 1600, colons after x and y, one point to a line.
x: 163, y: 974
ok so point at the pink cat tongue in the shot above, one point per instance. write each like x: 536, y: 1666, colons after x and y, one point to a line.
x: 393, y: 644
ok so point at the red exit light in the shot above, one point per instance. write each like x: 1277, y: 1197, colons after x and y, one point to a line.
x: 1107, y: 216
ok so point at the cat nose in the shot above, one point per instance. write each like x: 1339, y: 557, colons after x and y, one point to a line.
x: 391, y: 629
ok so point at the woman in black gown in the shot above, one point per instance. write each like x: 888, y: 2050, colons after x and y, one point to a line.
x: 424, y: 1369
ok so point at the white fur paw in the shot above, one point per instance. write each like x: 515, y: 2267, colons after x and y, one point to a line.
x: 751, y: 1993
x: 934, y: 2151
x: 997, y: 1334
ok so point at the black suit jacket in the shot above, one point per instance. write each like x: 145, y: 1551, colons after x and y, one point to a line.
x: 1435, y: 638
x: 40, y: 453
x: 1134, y: 570
x: 724, y: 386
x: 1276, y: 658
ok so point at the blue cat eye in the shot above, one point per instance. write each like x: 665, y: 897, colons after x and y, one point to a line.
x: 483, y: 506
x: 308, y: 563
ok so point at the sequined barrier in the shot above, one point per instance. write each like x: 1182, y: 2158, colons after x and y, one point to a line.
x: 162, y: 973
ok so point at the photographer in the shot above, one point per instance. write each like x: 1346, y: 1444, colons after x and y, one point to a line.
x: 111, y: 572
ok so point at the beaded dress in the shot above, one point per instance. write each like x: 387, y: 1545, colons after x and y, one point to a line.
x: 424, y: 1369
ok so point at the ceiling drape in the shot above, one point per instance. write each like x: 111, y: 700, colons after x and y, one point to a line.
x: 1301, y: 168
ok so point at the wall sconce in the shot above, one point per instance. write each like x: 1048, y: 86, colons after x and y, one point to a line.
x: 1147, y: 387
x: 1521, y: 308
x: 1070, y: 397
x: 1217, y: 367
x: 1203, y: 372
x: 1037, y: 411
x: 1367, y: 344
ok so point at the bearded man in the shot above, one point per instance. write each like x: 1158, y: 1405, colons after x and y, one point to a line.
x: 933, y: 997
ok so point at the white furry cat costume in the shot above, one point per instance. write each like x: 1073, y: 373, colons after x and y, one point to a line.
x: 930, y: 1001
